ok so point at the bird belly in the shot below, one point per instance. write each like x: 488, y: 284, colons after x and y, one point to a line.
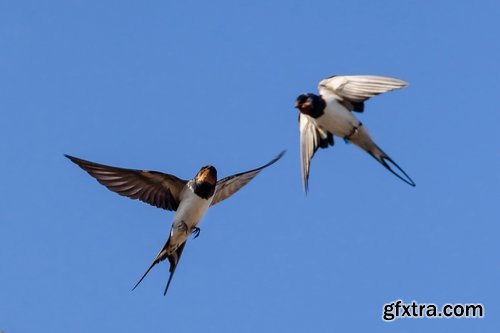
x: 337, y: 119
x: 191, y: 210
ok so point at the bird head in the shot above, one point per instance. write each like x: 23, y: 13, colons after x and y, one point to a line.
x: 305, y: 103
x: 311, y: 105
x: 207, y: 174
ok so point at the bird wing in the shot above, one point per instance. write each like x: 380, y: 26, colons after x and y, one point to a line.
x: 155, y: 188
x: 231, y: 184
x: 358, y: 88
x: 311, y: 138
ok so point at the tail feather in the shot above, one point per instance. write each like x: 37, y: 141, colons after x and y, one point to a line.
x: 162, y: 255
x: 173, y: 265
x: 383, y: 158
x: 142, y: 278
x: 173, y: 260
x: 362, y: 139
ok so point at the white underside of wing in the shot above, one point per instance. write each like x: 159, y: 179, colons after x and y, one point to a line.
x: 358, y: 88
x: 309, y: 141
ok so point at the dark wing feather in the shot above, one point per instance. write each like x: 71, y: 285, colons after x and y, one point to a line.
x: 155, y: 188
x: 230, y: 185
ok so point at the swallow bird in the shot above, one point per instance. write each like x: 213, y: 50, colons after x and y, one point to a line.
x: 330, y: 114
x: 190, y: 199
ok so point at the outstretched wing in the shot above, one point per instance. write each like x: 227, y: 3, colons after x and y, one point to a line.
x: 353, y: 90
x: 311, y: 138
x: 155, y: 188
x: 230, y: 185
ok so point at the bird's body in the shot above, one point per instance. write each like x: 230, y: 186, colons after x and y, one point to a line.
x: 342, y: 123
x: 189, y: 199
x: 330, y: 114
x: 192, y: 208
x: 189, y: 213
x: 336, y: 118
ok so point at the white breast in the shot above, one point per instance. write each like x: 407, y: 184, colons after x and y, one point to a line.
x: 337, y: 119
x: 191, y: 208
x: 189, y: 213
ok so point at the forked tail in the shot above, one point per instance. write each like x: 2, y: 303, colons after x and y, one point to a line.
x: 174, y: 260
x: 142, y: 278
x: 162, y: 255
x: 362, y: 139
x: 383, y: 158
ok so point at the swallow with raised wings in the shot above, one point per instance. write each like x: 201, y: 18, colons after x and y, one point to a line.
x: 190, y: 199
x: 330, y: 114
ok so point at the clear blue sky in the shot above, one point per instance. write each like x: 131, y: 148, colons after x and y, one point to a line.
x: 173, y: 86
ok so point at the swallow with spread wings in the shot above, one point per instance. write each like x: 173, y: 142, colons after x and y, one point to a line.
x: 190, y: 199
